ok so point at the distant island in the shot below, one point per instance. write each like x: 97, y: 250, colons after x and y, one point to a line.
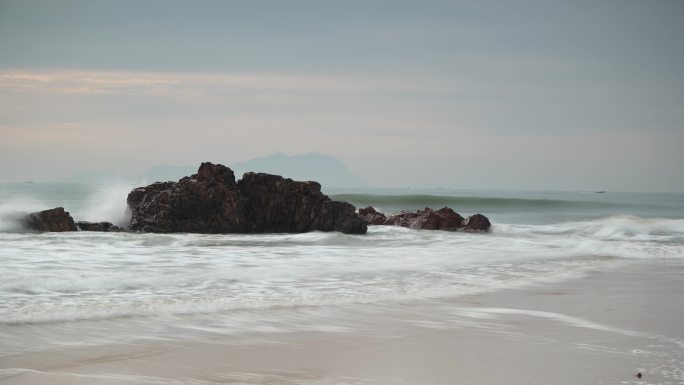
x: 322, y: 168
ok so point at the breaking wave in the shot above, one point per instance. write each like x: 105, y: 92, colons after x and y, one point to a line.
x: 615, y: 228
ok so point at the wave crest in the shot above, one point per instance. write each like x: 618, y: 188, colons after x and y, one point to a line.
x: 618, y: 228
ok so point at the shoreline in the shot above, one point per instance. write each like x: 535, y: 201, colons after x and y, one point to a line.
x: 601, y: 328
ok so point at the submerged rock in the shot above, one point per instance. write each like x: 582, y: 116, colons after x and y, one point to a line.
x: 98, y: 226
x: 50, y: 220
x: 427, y: 219
x: 211, y: 201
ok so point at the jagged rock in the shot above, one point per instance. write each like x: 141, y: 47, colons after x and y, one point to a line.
x: 341, y: 216
x: 98, y: 226
x: 50, y: 220
x: 372, y: 216
x: 211, y: 201
x: 276, y: 204
x: 477, y: 222
x: 427, y: 219
x: 207, y: 202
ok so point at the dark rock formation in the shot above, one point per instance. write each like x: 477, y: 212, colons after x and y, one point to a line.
x: 207, y: 202
x: 371, y: 216
x: 279, y: 205
x: 211, y: 201
x: 50, y: 220
x: 477, y: 222
x: 427, y: 219
x: 98, y: 226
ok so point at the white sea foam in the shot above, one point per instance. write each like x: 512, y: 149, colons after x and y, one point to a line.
x: 81, y: 276
x: 616, y: 228
x: 485, y: 313
x: 60, y: 278
x: 85, y: 288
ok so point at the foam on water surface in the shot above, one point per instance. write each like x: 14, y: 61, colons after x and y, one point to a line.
x: 80, y: 276
x: 92, y: 289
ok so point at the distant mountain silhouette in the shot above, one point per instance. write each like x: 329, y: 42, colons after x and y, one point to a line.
x: 326, y: 170
x: 163, y: 173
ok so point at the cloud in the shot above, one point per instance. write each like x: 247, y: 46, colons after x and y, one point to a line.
x: 398, y: 131
x: 194, y: 84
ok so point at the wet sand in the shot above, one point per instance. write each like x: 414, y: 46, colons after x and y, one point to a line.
x: 602, y: 328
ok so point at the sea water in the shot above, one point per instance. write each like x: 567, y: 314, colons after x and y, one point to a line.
x: 88, y: 288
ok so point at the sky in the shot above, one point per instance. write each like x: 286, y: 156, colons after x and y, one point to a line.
x: 555, y: 95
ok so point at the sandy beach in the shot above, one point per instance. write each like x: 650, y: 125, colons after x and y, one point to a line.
x: 602, y: 328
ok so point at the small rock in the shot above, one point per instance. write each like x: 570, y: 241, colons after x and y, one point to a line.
x: 50, y: 220
x: 98, y: 226
x: 477, y: 222
x: 427, y: 219
x: 371, y: 216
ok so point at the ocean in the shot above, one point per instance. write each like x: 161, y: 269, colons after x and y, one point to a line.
x: 61, y: 292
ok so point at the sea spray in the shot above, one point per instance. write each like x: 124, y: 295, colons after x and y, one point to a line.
x: 13, y: 211
x: 86, y: 202
x: 106, y: 203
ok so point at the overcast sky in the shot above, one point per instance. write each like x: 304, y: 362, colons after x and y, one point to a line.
x: 578, y: 95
